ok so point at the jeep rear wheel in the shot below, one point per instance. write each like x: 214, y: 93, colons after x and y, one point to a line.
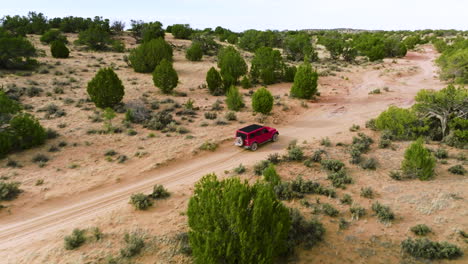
x: 254, y: 146
x: 239, y: 142
x: 275, y: 137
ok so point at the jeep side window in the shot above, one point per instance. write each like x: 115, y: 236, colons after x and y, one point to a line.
x: 265, y: 131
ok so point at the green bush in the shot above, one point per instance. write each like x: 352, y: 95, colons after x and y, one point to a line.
x: 134, y: 244
x: 369, y: 164
x: 148, y: 55
x: 150, y: 31
x: 298, y: 187
x: 346, y: 199
x: 339, y: 178
x: 262, y: 101
x: 52, y: 35
x: 194, y: 52
x: 384, y: 213
x: 27, y: 131
x: 299, y: 46
x: 425, y: 248
x: 305, y: 82
x: 271, y: 175
x: 421, y: 230
x: 441, y: 153
x: 9, y: 190
x: 332, y: 165
x: 290, y: 73
x: 8, y: 107
x: 329, y: 210
x: 215, y: 83
x: 253, y: 39
x: 181, y: 31
x: 457, y: 169
x: 357, y: 212
x: 118, y: 45
x: 16, y: 52
x: 105, y: 89
x: 141, y: 201
x: 232, y: 65
x: 207, y: 43
x: 453, y: 65
x: 302, y: 231
x: 165, y: 77
x: 75, y: 240
x: 260, y: 166
x: 334, y: 43
x: 458, y: 136
x: 59, y: 50
x: 207, y: 145
x: 246, y: 83
x: 267, y: 65
x: 159, y: 192
x: 95, y: 38
x: 234, y: 100
x: 367, y: 192
x: 253, y: 211
x: 418, y: 161
x: 400, y: 122
x: 295, y: 154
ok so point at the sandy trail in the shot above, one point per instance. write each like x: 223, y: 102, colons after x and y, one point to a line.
x: 331, y: 115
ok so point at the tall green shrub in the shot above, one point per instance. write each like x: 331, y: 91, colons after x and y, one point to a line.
x: 52, y: 35
x: 402, y: 123
x: 148, y: 55
x: 181, y: 31
x: 59, y: 50
x: 232, y: 65
x: 194, y: 52
x: 418, y: 162
x: 16, y: 52
x: 234, y: 99
x: 26, y: 131
x: 215, y: 83
x: 305, y: 82
x: 267, y: 65
x: 95, y: 37
x: 106, y: 89
x: 233, y: 222
x: 262, y: 101
x: 165, y: 77
x: 271, y: 175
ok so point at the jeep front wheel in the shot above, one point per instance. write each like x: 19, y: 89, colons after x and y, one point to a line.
x: 254, y: 146
x: 275, y: 137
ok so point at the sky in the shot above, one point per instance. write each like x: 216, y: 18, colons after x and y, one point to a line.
x: 240, y: 15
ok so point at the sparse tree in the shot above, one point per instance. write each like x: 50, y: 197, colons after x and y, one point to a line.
x: 305, y: 82
x: 118, y: 27
x: 106, y: 89
x: 214, y: 81
x: 267, y: 65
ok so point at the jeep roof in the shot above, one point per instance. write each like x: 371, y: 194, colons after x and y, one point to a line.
x: 250, y: 128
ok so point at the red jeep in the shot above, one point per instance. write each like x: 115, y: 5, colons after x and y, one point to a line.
x: 253, y: 135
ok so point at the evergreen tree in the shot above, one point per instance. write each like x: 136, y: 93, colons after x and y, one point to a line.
x: 305, y: 82
x: 418, y: 162
x: 232, y: 65
x: 232, y: 222
x: 262, y: 101
x: 106, y: 89
x: 234, y: 99
x: 165, y: 77
x: 271, y: 175
x: 214, y: 81
x: 59, y: 50
x: 26, y: 131
x: 267, y: 65
x: 148, y: 55
x: 194, y: 52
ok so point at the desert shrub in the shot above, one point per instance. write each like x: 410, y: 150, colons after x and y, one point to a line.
x: 215, y: 83
x: 118, y: 27
x: 369, y: 164
x: 441, y: 153
x: 147, y: 31
x: 418, y: 161
x: 354, y: 128
x: 207, y: 145
x: 240, y: 169
x: 332, y: 165
x: 425, y: 248
x: 159, y: 120
x: 298, y: 187
x: 357, y: 212
x: 234, y: 100
x: 53, y: 35
x: 26, y: 131
x: 346, y: 199
x: 371, y: 124
x: 33, y: 23
x: 299, y: 47
x: 304, y: 232
x: 9, y: 190
x: 355, y: 153
x: 274, y: 158
x: 8, y: 107
x: 255, y: 216
x: 262, y: 101
x: 325, y: 142
x: 339, y: 178
x: 295, y: 154
x: 317, y: 155
x: 453, y: 65
x: 329, y: 210
x: 17, y: 52
x: 246, y: 83
x: 105, y: 89
x: 267, y: 65
x: 260, y: 166
x: 159, y: 192
x: 385, y: 143
x: 148, y: 55
x: 207, y: 43
x: 290, y: 73
x: 458, y: 136
x: 402, y: 123
x: 165, y: 77
x: 141, y: 201
x: 384, y: 213
x: 95, y: 37
x: 305, y: 82
x: 181, y: 31
x: 134, y: 243
x: 396, y: 175
x: 271, y: 175
x: 210, y: 115
x: 194, y: 52
x: 75, y: 240
x: 421, y: 230
x: 231, y: 65
x: 362, y: 142
x: 253, y: 39
x: 117, y: 45
x: 457, y: 169
x: 367, y: 192
x: 136, y: 112
x: 230, y: 116
x: 59, y: 50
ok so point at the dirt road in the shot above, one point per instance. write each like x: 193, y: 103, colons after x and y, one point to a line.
x: 330, y: 115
